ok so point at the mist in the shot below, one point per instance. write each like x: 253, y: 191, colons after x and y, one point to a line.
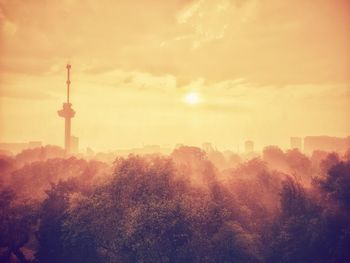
x: 187, y: 206
x: 178, y: 131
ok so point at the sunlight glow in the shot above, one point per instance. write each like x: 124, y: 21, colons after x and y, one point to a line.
x: 192, y: 98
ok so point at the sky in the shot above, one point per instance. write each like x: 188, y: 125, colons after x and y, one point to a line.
x: 175, y: 71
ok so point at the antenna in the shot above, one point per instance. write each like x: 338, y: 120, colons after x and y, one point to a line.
x: 67, y: 113
x: 68, y: 80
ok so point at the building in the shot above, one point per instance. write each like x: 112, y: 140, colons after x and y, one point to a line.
x: 296, y: 143
x: 326, y: 143
x: 74, y: 144
x: 16, y: 148
x: 249, y: 146
x: 207, y: 147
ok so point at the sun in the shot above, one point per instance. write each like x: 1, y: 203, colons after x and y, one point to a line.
x: 192, y: 98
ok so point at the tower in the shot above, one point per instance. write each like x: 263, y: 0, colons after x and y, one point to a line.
x: 296, y: 143
x: 67, y: 113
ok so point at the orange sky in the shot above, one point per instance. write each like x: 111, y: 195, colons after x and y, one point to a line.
x: 263, y: 70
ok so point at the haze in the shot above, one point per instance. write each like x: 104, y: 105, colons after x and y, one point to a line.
x: 263, y: 70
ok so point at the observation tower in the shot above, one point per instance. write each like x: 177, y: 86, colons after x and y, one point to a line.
x: 67, y: 113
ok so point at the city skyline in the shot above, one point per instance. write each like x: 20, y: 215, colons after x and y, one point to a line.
x: 181, y: 72
x: 194, y: 131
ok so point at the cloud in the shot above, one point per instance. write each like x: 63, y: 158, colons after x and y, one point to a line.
x: 255, y: 64
x: 272, y: 42
x: 27, y: 95
x: 18, y: 87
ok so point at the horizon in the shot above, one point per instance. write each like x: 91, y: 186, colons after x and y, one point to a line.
x: 307, y: 145
x: 178, y: 131
x: 237, y: 148
x: 180, y: 72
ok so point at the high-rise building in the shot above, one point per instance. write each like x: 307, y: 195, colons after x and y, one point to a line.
x: 207, y: 147
x: 16, y: 148
x: 296, y: 143
x: 249, y: 146
x: 74, y: 144
x: 326, y: 143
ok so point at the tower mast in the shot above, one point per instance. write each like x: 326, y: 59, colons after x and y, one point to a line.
x: 68, y: 81
x: 67, y: 113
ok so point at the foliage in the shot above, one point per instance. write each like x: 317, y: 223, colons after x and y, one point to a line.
x: 177, y: 208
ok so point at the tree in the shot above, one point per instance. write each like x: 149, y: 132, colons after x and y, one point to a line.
x: 53, y: 213
x: 17, y: 222
x: 149, y: 213
x: 337, y: 184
